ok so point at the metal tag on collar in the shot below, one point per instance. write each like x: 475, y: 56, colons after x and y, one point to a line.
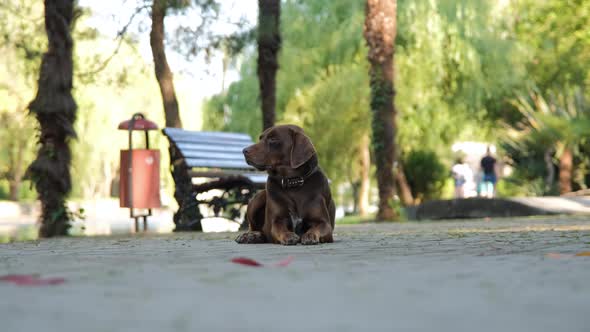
x: 292, y: 182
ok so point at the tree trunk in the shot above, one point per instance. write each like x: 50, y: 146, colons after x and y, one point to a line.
x: 379, y: 33
x: 565, y: 171
x: 163, y: 73
x: 55, y: 110
x: 363, y: 192
x: 355, y: 186
x: 403, y: 188
x: 548, y: 157
x: 269, y: 44
x: 165, y: 80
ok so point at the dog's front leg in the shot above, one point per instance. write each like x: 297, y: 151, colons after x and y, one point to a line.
x: 320, y: 230
x: 281, y: 233
x: 255, y: 219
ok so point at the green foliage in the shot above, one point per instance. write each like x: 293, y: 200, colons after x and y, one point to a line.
x: 105, y: 97
x: 560, y: 120
x: 354, y: 220
x: 554, y: 34
x: 22, y: 43
x: 24, y: 233
x: 454, y: 68
x: 322, y: 79
x: 459, y: 65
x: 425, y: 173
x: 555, y: 47
x: 238, y: 109
x: 549, y: 124
x: 516, y: 186
x: 338, y: 96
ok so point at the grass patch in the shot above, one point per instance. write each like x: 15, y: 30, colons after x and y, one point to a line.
x: 24, y: 233
x: 355, y: 219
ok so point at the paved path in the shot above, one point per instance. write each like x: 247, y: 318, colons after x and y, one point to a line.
x: 444, y: 276
x: 558, y: 204
x: 476, y: 207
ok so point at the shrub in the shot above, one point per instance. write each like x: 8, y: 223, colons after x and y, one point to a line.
x: 425, y: 173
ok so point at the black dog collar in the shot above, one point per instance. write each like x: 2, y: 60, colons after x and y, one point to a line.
x: 297, y: 181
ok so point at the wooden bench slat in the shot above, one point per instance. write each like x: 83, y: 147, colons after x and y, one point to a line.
x: 213, y: 141
x: 258, y: 178
x: 213, y: 155
x: 188, y: 154
x: 217, y: 163
x: 209, y: 148
x: 196, y: 136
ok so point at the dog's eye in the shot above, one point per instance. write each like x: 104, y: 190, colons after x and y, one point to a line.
x: 273, y: 142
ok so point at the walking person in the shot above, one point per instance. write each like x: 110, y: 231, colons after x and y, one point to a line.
x: 462, y: 176
x: 488, y: 167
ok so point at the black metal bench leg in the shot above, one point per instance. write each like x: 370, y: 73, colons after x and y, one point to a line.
x: 187, y: 218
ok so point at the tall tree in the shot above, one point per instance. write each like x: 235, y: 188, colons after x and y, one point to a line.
x: 163, y: 72
x: 171, y: 112
x: 379, y: 33
x: 55, y: 110
x: 566, y: 167
x: 269, y: 44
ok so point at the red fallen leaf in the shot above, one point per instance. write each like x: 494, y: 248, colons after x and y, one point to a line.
x: 31, y: 280
x: 17, y: 277
x: 251, y: 262
x: 285, y: 262
x: 245, y: 261
x: 42, y: 282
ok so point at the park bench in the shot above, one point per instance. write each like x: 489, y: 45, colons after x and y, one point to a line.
x: 224, y: 182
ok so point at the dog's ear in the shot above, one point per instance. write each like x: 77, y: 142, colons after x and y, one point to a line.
x: 302, y: 149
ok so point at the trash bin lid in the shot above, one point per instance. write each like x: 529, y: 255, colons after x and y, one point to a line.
x: 140, y: 124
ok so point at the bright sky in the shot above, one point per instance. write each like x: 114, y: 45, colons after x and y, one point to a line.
x: 109, y: 16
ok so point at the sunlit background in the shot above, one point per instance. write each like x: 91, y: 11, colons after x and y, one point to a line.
x: 511, y: 75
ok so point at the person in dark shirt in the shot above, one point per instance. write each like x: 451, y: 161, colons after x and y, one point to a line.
x: 488, y: 166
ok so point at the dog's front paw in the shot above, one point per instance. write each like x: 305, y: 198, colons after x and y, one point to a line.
x: 251, y: 237
x: 290, y: 239
x: 310, y: 238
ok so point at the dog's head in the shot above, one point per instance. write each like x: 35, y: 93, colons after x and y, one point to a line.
x: 280, y: 147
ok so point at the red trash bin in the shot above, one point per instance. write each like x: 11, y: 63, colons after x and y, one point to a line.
x: 139, y: 178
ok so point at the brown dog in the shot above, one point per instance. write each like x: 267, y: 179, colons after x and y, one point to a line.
x: 296, y: 205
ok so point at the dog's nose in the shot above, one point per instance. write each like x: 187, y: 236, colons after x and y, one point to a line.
x: 245, y: 151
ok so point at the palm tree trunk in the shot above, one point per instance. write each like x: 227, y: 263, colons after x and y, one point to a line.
x: 363, y: 192
x: 379, y: 33
x: 565, y: 171
x: 269, y: 44
x: 163, y: 72
x: 55, y: 110
x: 403, y: 188
x: 548, y: 157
